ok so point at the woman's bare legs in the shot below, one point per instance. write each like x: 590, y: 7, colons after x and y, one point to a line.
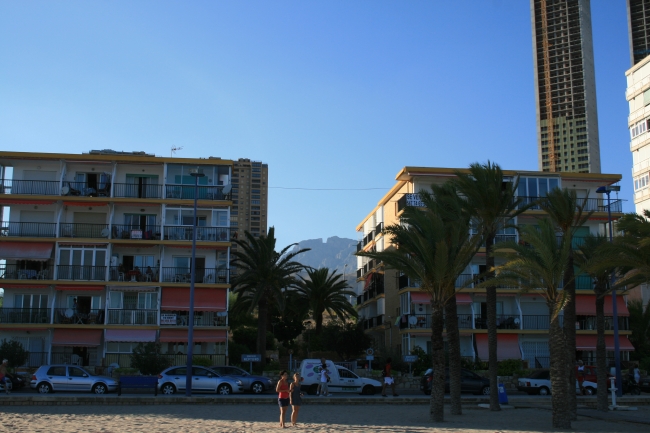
x: 283, y: 411
x: 294, y: 414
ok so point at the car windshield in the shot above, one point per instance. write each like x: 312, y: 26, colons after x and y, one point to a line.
x: 542, y: 374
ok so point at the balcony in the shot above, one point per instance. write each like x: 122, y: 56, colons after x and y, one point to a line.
x: 86, y: 189
x: 132, y: 317
x: 372, y: 322
x: 67, y: 316
x: 81, y: 272
x: 30, y: 187
x: 423, y: 321
x: 504, y: 321
x: 203, y: 275
x: 201, y: 318
x: 184, y: 233
x: 16, y: 272
x: 127, y: 231
x: 27, y: 229
x: 83, y: 230
x: 186, y: 192
x: 133, y: 275
x: 131, y: 190
x: 25, y: 315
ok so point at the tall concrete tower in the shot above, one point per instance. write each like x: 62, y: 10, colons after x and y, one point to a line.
x: 638, y: 24
x: 565, y: 86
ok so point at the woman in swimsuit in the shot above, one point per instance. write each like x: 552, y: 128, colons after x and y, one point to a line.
x: 295, y: 398
x: 282, y: 388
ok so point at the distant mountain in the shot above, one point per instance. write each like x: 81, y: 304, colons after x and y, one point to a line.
x: 334, y: 253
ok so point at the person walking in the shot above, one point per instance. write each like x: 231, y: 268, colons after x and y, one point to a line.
x: 580, y: 376
x: 295, y: 398
x: 282, y: 388
x: 3, y: 374
x: 637, y: 374
x: 388, y: 379
x: 324, y: 379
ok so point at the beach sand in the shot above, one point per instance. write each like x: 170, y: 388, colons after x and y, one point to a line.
x: 262, y: 418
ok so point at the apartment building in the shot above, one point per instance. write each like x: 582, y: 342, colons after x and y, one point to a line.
x: 565, y: 86
x: 95, y: 255
x: 396, y: 313
x: 638, y: 24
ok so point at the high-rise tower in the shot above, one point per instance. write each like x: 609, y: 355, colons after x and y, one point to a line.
x: 638, y: 22
x: 565, y: 86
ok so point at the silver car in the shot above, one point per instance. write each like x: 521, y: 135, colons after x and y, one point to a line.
x: 49, y: 378
x: 255, y: 384
x: 203, y: 380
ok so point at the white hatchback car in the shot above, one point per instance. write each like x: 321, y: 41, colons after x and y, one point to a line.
x: 539, y: 382
x: 203, y: 380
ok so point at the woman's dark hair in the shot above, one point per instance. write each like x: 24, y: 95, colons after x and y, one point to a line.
x: 283, y: 372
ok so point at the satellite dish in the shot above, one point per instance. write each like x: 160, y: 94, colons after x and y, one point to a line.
x: 227, y: 189
x: 413, y: 320
x: 104, y: 233
x: 65, y: 190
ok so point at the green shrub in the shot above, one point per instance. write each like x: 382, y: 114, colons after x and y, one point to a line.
x: 423, y: 363
x: 147, y: 358
x: 508, y: 366
x: 203, y: 361
x: 235, y: 351
x: 272, y: 366
x: 473, y: 365
x: 14, y: 352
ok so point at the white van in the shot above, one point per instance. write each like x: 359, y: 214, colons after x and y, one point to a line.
x: 341, y: 379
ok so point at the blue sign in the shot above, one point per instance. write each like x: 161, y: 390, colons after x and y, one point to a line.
x: 251, y: 358
x: 410, y: 358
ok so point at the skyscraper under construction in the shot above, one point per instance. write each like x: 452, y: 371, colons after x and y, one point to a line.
x: 565, y: 86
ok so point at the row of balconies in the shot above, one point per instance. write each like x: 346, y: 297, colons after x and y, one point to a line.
x: 509, y: 321
x: 372, y: 322
x: 376, y: 288
x: 370, y: 236
x: 115, y: 190
x: 372, y: 264
x: 115, y: 273
x: 582, y: 282
x: 116, y: 231
x: 66, y: 316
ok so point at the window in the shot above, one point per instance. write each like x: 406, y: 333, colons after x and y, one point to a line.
x: 641, y: 182
x: 56, y: 371
x: 148, y: 301
x: 115, y: 299
x: 255, y: 202
x: 121, y: 347
x: 30, y: 301
x: 76, y: 372
x: 639, y: 128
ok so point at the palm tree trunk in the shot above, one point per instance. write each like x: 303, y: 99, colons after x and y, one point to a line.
x: 453, y: 342
x: 262, y: 313
x: 601, y: 353
x: 491, y: 307
x: 559, y: 381
x: 570, y: 334
x: 318, y: 318
x: 437, y: 405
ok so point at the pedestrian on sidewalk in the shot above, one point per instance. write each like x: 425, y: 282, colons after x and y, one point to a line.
x: 295, y: 398
x: 324, y: 379
x: 388, y: 379
x: 3, y: 374
x: 282, y: 388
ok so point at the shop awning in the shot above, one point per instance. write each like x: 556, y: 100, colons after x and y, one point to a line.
x: 205, y: 299
x: 588, y: 343
x: 40, y: 251
x: 24, y: 286
x: 586, y: 305
x: 131, y: 335
x: 200, y: 335
x: 77, y: 337
x: 463, y: 298
x: 507, y: 346
x: 82, y: 287
x: 134, y: 288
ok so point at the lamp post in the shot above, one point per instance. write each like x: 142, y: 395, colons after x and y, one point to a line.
x: 196, y: 174
x: 617, y: 352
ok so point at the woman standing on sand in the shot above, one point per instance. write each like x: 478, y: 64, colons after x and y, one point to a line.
x: 282, y: 388
x: 295, y: 397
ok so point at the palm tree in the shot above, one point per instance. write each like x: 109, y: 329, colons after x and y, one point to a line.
x: 539, y: 265
x: 492, y: 200
x: 325, y: 291
x: 433, y: 247
x: 264, y: 275
x: 566, y: 212
x: 594, y: 260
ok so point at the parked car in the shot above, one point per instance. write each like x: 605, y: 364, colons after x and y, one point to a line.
x: 539, y: 382
x: 173, y: 379
x: 17, y: 382
x: 341, y: 379
x: 50, y: 378
x: 469, y: 382
x: 254, y: 384
x: 644, y: 384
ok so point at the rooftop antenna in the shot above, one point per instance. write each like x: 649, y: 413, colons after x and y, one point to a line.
x: 174, y: 149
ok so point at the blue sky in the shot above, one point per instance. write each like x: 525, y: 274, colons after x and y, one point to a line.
x: 331, y: 94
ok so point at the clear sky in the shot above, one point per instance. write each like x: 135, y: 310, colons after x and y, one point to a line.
x: 331, y: 94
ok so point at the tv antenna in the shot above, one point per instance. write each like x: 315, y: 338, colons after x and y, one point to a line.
x: 174, y: 149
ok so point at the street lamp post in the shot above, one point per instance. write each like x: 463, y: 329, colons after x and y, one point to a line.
x: 617, y: 352
x: 196, y: 174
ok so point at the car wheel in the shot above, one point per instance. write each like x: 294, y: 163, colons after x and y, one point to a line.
x: 224, y: 389
x: 485, y: 390
x: 100, y: 388
x: 312, y: 389
x: 590, y: 391
x: 257, y: 388
x: 168, y: 389
x: 368, y: 390
x: 544, y: 391
x: 44, y: 388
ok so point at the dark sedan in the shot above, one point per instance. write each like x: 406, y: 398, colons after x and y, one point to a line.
x: 644, y: 384
x: 469, y: 382
x: 254, y: 384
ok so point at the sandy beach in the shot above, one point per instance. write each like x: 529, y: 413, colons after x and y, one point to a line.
x: 262, y: 418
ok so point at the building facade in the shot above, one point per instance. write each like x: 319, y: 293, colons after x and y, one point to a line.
x: 638, y: 24
x: 95, y: 255
x: 565, y: 86
x: 397, y: 313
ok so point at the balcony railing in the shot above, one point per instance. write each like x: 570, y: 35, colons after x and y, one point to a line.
x: 373, y: 322
x: 187, y: 192
x: 27, y: 229
x: 86, y: 189
x: 67, y: 316
x: 25, y: 315
x: 83, y: 230
x: 16, y: 272
x: 81, y: 272
x: 134, y: 275
x: 504, y: 321
x: 592, y: 204
x: 127, y: 231
x: 132, y: 317
x: 184, y: 233
x: 203, y: 275
x: 130, y: 190
x: 30, y: 187
x: 201, y: 318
